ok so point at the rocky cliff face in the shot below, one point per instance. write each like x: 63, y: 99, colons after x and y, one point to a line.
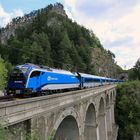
x: 9, y: 30
x: 105, y: 65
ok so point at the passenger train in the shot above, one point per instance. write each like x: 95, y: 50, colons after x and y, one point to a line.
x: 31, y: 79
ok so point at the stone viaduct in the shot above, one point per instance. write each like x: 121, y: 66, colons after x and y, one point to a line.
x: 77, y: 115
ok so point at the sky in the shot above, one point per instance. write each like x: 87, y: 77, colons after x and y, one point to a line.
x: 115, y: 22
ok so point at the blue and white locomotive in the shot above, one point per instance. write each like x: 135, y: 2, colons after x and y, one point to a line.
x: 35, y: 79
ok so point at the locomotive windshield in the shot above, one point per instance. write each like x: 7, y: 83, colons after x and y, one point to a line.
x: 17, y: 75
x: 24, y: 69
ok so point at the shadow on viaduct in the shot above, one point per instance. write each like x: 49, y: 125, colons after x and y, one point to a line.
x: 77, y: 115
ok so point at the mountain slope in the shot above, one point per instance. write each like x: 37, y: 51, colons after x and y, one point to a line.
x: 47, y: 36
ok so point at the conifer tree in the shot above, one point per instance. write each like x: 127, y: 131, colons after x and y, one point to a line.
x: 137, y: 69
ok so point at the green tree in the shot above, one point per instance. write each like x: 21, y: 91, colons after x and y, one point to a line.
x: 134, y: 73
x: 137, y: 70
x: 36, y: 54
x: 3, y: 74
x: 128, y: 110
x: 43, y: 41
x: 77, y: 61
x: 63, y: 53
x: 15, y: 51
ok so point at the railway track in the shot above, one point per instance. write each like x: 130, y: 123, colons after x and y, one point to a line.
x: 12, y: 97
x: 7, y: 98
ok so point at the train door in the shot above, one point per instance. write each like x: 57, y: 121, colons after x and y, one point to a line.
x: 34, y: 81
x: 43, y: 79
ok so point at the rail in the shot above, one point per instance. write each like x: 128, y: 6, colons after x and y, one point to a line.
x: 7, y: 98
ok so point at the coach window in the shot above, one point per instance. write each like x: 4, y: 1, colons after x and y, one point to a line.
x: 96, y: 80
x: 35, y: 74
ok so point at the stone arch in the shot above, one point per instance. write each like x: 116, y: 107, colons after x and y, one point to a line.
x: 90, y: 128
x: 101, y: 106
x: 67, y: 126
x: 67, y: 130
x: 102, y: 120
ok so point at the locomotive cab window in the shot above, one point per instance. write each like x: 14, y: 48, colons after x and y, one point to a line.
x: 35, y: 74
